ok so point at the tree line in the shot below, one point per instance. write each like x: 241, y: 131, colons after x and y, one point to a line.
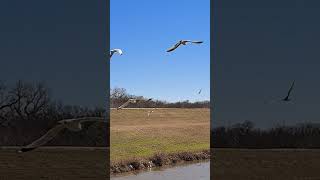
x: 119, y: 96
x: 245, y: 135
x: 27, y: 111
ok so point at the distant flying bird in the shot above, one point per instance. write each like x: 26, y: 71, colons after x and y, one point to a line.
x: 287, y: 97
x: 119, y: 51
x: 284, y: 99
x: 199, y: 91
x: 149, y: 100
x: 70, y: 124
x: 183, y: 42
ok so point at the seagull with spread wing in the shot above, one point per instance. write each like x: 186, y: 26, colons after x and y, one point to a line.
x: 119, y: 51
x: 70, y: 124
x: 130, y: 101
x: 183, y: 42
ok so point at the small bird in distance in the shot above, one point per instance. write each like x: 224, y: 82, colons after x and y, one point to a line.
x: 289, y: 92
x: 285, y: 99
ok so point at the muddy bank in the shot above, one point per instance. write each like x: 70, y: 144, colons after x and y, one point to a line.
x: 158, y: 160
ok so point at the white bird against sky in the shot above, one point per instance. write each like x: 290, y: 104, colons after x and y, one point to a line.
x: 112, y: 51
x: 183, y: 42
x: 70, y: 124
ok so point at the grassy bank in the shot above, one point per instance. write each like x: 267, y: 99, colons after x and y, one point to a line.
x: 158, y: 160
x: 169, y: 132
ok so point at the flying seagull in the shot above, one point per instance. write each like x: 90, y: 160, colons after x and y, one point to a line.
x: 287, y: 97
x: 119, y: 51
x: 183, y: 42
x: 133, y: 101
x: 70, y: 124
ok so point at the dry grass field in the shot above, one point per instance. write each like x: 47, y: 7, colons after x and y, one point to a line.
x: 265, y: 164
x: 54, y: 164
x: 166, y: 130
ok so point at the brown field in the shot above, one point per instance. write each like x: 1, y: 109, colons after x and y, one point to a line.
x: 54, y: 164
x: 281, y: 164
x: 167, y: 130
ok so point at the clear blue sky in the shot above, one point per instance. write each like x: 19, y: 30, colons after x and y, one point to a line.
x: 144, y: 29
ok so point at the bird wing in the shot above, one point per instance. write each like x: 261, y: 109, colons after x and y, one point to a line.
x: 44, y: 139
x: 271, y: 101
x: 83, y: 119
x: 290, y: 89
x: 119, y: 51
x: 111, y: 53
x: 124, y: 105
x: 88, y: 119
x: 197, y: 42
x: 174, y: 47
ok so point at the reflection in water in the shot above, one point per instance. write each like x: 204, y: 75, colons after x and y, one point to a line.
x: 198, y: 171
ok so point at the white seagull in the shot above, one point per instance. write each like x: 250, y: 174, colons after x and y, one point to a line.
x: 112, y: 51
x: 133, y: 101
x: 70, y: 124
x: 183, y: 42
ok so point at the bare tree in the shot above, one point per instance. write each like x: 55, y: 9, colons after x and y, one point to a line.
x: 30, y: 99
x: 6, y: 102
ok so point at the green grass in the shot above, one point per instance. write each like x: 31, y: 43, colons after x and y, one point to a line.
x: 134, y: 135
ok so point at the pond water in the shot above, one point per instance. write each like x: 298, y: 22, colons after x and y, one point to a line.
x: 194, y: 171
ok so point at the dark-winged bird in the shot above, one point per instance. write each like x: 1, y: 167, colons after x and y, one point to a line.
x: 183, y: 42
x: 119, y: 51
x: 289, y: 92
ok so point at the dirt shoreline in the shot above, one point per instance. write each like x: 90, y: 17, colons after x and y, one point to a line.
x: 158, y: 160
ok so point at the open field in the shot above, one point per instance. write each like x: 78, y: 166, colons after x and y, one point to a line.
x: 273, y: 164
x: 166, y: 130
x: 54, y: 163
